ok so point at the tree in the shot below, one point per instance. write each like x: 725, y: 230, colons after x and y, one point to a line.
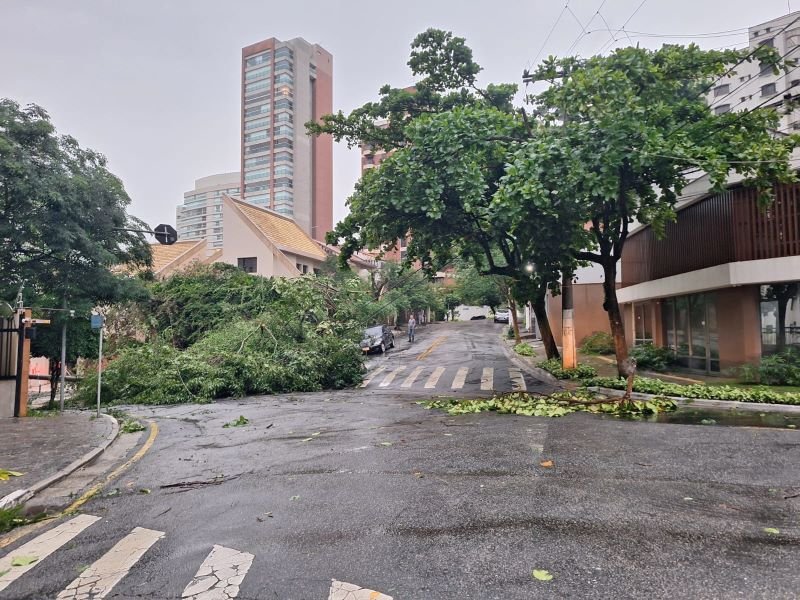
x: 616, y: 136
x: 450, y: 142
x: 61, y: 212
x: 477, y: 289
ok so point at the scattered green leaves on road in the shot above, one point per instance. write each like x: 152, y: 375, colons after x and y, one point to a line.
x: 294, y: 498
x: 240, y: 422
x: 771, y: 530
x: 131, y: 426
x: 4, y: 572
x: 386, y: 443
x: 23, y: 561
x: 541, y: 575
x: 5, y: 474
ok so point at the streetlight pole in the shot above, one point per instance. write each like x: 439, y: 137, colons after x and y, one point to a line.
x: 63, y: 356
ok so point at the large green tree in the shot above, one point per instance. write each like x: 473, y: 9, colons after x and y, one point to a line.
x: 450, y: 141
x: 61, y: 215
x: 615, y: 139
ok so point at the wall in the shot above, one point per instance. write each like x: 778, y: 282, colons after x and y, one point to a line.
x: 589, y: 313
x: 242, y: 241
x: 738, y: 325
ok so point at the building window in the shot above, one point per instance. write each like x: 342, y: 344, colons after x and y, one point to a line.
x: 259, y: 59
x: 257, y: 110
x: 283, y: 103
x: 283, y: 117
x: 257, y: 73
x: 765, y: 69
x: 259, y: 199
x: 248, y: 265
x: 721, y: 90
x: 722, y: 109
x: 768, y: 90
x: 283, y: 156
x: 284, y: 52
x: 284, y: 170
x: 256, y: 124
x: 251, y: 88
x: 285, y: 130
x: 690, y: 331
x: 284, y: 143
x: 283, y: 78
x: 256, y: 174
x: 302, y: 268
x: 283, y: 182
x: 255, y: 136
x: 255, y: 148
x: 256, y: 162
x: 780, y: 317
x: 283, y: 196
x: 283, y: 65
x: 258, y: 98
x: 255, y: 187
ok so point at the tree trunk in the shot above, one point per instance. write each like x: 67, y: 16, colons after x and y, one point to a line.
x: 540, y: 310
x: 512, y: 305
x: 611, y: 306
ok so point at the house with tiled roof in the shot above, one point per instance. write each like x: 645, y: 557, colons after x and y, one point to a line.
x: 266, y: 243
x: 181, y: 255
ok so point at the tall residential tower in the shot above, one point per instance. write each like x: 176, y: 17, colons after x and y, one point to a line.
x: 285, y: 85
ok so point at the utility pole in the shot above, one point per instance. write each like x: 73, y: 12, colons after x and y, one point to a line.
x: 569, y: 352
x: 63, y: 356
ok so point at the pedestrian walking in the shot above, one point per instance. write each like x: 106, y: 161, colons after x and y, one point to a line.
x: 412, y: 326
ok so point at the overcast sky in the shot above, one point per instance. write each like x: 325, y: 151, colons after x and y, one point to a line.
x: 154, y: 84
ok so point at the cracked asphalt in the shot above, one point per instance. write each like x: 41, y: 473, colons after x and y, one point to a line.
x: 367, y: 487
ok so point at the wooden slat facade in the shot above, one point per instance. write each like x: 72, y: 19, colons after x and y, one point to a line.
x: 728, y: 227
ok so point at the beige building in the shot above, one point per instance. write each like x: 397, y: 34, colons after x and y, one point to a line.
x: 264, y: 242
x: 200, y: 215
x: 181, y: 255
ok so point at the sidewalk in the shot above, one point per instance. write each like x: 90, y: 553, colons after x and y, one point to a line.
x: 47, y: 448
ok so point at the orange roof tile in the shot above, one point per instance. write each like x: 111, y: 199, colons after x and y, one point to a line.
x: 282, y: 231
x: 164, y: 255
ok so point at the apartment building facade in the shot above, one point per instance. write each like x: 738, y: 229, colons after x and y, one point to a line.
x: 755, y: 85
x: 200, y: 215
x: 285, y: 85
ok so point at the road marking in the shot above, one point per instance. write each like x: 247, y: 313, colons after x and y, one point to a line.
x: 460, y: 378
x: 220, y: 575
x: 434, y: 378
x: 412, y: 377
x: 41, y: 547
x: 487, y: 379
x: 372, y: 376
x: 347, y: 591
x: 517, y: 380
x: 107, y: 571
x: 390, y: 377
x: 432, y: 347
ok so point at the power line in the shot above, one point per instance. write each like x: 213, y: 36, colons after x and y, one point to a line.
x: 718, y: 34
x: 547, y: 39
x: 584, y: 30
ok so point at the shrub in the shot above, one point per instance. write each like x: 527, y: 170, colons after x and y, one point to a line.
x: 524, y: 349
x: 777, y: 369
x: 598, y: 342
x: 510, y: 333
x: 651, y: 357
x: 553, y: 366
x: 700, y: 391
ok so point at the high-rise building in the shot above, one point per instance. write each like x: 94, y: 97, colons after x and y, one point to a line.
x: 285, y: 85
x: 200, y: 215
x: 753, y: 85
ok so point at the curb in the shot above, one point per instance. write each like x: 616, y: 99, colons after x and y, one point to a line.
x: 536, y: 372
x: 22, y: 496
x: 705, y: 403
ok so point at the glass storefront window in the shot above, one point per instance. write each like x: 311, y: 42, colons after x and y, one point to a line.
x: 690, y: 330
x: 780, y: 317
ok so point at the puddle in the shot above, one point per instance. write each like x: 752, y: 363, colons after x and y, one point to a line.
x: 726, y: 418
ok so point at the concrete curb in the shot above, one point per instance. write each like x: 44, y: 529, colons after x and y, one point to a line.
x: 22, y: 496
x: 703, y: 403
x: 536, y: 372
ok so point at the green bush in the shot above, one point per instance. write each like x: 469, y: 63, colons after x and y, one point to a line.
x: 652, y: 358
x: 777, y: 369
x: 553, y: 366
x: 524, y: 349
x: 598, y: 342
x: 700, y: 391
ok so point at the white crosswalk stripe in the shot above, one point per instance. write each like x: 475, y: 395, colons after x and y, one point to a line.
x: 40, y: 548
x: 434, y: 378
x: 412, y: 377
x: 220, y: 575
x: 517, y: 380
x: 372, y: 376
x: 387, y: 381
x: 347, y: 591
x: 460, y: 378
x: 487, y: 379
x: 99, y: 579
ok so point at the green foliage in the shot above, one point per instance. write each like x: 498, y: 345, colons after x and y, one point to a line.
x: 241, y: 421
x: 700, y: 391
x: 510, y: 333
x: 61, y: 215
x: 780, y: 369
x: 598, y: 342
x: 554, y: 367
x: 304, y: 339
x: 131, y: 426
x: 477, y: 289
x: 555, y: 405
x: 524, y: 349
x: 10, y: 518
x: 650, y: 357
x: 82, y: 340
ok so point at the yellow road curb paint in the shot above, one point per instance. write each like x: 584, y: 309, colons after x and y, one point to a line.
x: 431, y: 348
x: 23, y: 531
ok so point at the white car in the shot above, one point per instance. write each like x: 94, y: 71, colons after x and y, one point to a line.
x: 502, y: 315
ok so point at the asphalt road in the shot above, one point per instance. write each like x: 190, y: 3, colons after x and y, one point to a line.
x: 367, y: 487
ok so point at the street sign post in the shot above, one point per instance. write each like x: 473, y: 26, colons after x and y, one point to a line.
x: 97, y: 323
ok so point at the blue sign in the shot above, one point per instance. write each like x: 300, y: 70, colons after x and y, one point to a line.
x: 97, y: 321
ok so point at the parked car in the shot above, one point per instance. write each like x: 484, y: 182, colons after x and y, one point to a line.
x: 377, y: 338
x: 502, y: 315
